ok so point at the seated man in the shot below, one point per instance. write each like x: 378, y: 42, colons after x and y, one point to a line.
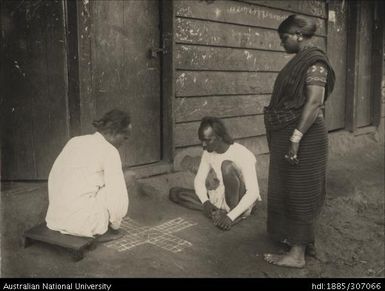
x: 236, y: 188
x: 86, y: 187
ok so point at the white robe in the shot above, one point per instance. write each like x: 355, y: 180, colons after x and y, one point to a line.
x: 86, y: 188
x: 246, y: 163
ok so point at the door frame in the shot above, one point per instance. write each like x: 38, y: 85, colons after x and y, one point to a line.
x: 377, y: 58
x: 352, y: 68
x: 167, y: 22
x: 73, y: 96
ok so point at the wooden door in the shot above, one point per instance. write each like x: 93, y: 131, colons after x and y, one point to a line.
x: 125, y: 75
x: 33, y: 98
x: 364, y: 96
x: 336, y: 48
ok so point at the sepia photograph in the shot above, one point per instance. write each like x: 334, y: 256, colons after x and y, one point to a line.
x: 192, y: 139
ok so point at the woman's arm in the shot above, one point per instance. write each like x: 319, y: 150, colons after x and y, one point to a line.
x: 314, y: 100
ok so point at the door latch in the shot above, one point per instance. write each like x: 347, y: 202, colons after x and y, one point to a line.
x: 155, y: 51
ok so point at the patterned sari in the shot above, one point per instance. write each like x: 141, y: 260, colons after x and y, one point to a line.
x: 296, y: 193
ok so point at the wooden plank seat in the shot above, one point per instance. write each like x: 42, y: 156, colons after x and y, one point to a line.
x: 76, y: 245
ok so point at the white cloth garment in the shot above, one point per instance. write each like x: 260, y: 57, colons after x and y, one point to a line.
x: 246, y: 162
x: 86, y: 188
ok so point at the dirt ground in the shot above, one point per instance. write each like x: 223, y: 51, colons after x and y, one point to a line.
x: 350, y: 233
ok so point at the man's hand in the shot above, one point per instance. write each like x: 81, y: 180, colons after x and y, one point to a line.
x: 221, y: 220
x: 209, y: 208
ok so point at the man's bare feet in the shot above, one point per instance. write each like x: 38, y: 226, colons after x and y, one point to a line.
x: 295, y: 258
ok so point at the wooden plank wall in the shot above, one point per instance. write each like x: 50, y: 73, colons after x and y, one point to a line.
x: 227, y: 56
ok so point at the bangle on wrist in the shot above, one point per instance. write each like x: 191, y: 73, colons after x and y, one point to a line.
x: 296, y: 136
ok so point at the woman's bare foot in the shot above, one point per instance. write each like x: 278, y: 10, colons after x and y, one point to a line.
x: 310, y: 251
x: 284, y: 261
x: 295, y: 258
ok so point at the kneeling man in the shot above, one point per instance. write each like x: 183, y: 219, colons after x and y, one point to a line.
x: 86, y: 186
x: 237, y: 187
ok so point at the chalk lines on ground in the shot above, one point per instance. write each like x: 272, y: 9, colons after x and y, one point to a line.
x: 160, y: 235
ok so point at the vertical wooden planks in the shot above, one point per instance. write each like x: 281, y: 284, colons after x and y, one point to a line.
x: 36, y: 113
x: 125, y: 75
x: 51, y: 124
x: 364, y: 96
x: 86, y: 100
x: 378, y: 59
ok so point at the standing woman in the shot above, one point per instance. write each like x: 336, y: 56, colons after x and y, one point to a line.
x: 298, y: 142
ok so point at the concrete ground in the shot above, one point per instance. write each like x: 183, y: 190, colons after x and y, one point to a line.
x: 350, y: 236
